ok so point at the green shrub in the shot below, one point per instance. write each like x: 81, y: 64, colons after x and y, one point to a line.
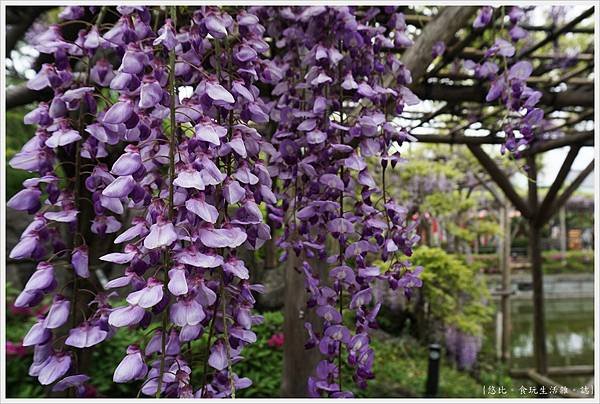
x: 453, y: 291
x: 580, y: 261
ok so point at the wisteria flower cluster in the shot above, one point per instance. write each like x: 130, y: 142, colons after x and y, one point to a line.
x: 180, y: 129
x: 325, y: 178
x: 508, y: 77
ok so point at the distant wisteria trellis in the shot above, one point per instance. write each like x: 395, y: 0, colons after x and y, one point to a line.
x: 287, y: 112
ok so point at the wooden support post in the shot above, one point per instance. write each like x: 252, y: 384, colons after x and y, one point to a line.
x: 535, y: 257
x: 298, y: 362
x: 504, y: 259
x: 562, y: 218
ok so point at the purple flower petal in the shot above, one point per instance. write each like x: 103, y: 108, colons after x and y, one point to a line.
x: 177, y: 282
x: 127, y: 164
x: 218, y: 356
x: 132, y: 367
x: 85, y: 336
x: 58, y: 313
x: 204, y: 210
x: 127, y: 315
x: 234, y: 192
x: 150, y: 95
x: 37, y: 334
x: 119, y: 258
x: 332, y: 181
x: 218, y: 93
x: 80, y: 261
x: 120, y: 187
x: 186, y: 312
x: 62, y: 137
x: 199, y: 260
x: 118, y: 113
x: 70, y: 381
x: 27, y: 199
x: 148, y: 296
x: 221, y: 238
x: 236, y: 267
x: 190, y: 178
x: 210, y: 132
x: 161, y: 235
x: 54, y: 369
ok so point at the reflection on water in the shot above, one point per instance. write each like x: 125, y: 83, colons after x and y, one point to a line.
x: 569, y: 331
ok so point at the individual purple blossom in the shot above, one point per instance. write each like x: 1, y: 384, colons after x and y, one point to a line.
x: 149, y: 296
x: 162, y: 234
x: 77, y: 381
x: 38, y: 334
x: 85, y: 336
x: 186, y: 311
x: 220, y: 238
x: 127, y: 315
x: 132, y: 367
x: 80, y: 261
x: 120, y: 187
x: 55, y: 367
x: 438, y: 49
x: 27, y: 199
x: 58, y: 313
x: 484, y: 17
x: 166, y: 35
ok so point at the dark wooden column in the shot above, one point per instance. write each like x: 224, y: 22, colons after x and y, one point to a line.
x: 535, y: 257
x: 504, y: 255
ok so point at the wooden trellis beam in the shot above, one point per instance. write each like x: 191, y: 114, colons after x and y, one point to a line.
x: 580, y: 139
x: 477, y: 54
x: 457, y: 93
x: 554, y: 34
x: 426, y: 118
x: 442, y: 28
x: 545, y: 81
x: 560, y: 178
x: 419, y: 19
x: 566, y: 194
x: 455, y: 50
x: 500, y: 179
x: 588, y: 114
x: 574, y: 73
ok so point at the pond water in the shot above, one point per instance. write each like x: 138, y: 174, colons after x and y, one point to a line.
x: 570, y: 335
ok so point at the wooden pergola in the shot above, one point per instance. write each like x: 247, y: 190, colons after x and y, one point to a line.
x: 459, y: 107
x: 567, y: 100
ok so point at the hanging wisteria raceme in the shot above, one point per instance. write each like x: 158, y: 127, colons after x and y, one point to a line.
x: 328, y: 190
x: 508, y: 80
x: 157, y: 117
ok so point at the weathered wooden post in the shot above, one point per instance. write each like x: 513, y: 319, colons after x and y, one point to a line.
x: 504, y: 260
x: 562, y: 219
x: 535, y: 257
